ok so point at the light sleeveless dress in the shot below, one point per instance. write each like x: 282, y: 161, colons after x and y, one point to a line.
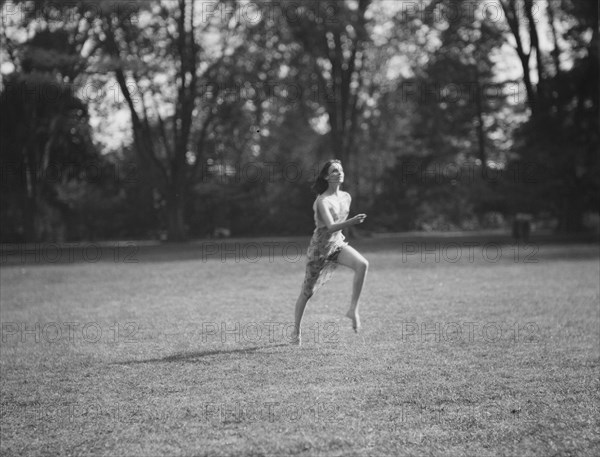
x: 325, y: 247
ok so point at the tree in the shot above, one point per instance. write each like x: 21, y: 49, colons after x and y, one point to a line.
x: 562, y: 133
x: 165, y: 70
x: 333, y: 37
x: 46, y: 138
x: 457, y: 90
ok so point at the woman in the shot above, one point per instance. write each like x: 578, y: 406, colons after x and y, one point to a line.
x: 327, y: 247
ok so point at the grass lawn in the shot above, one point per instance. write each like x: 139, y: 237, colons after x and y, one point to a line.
x: 181, y: 353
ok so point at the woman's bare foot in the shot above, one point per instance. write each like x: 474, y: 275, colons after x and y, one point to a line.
x: 353, y: 315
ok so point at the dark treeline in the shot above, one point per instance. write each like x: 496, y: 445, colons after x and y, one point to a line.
x: 197, y: 118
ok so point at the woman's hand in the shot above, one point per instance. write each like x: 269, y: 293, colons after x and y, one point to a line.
x: 358, y: 219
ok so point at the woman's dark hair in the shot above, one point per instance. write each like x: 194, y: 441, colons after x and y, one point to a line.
x: 321, y: 183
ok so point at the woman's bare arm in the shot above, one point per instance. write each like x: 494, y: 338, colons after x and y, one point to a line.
x: 328, y: 220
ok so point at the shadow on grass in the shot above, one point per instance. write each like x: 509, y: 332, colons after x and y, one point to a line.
x: 190, y: 357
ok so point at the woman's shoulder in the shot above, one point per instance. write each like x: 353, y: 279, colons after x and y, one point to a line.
x: 346, y: 195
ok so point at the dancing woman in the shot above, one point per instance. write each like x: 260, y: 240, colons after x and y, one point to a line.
x: 327, y: 247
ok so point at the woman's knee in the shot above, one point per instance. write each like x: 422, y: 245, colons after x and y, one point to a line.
x: 363, y: 266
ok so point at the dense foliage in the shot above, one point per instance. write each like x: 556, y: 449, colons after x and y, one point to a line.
x: 192, y: 119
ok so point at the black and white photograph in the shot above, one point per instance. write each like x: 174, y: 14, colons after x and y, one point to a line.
x: 297, y: 228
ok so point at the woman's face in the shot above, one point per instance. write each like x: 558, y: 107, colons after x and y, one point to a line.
x: 336, y: 173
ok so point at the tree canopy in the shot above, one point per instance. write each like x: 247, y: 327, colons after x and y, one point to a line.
x: 132, y: 119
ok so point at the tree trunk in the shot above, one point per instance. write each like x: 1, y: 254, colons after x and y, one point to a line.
x: 29, y: 219
x: 480, y: 125
x: 512, y: 18
x: 175, y: 215
x: 534, y: 40
x: 556, y: 51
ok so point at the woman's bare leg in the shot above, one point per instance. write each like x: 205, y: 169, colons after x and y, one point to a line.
x: 351, y: 258
x: 299, y: 312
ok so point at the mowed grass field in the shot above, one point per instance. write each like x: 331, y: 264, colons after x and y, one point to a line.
x: 480, y: 350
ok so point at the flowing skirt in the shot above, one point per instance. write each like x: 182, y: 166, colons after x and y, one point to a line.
x: 322, y: 254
